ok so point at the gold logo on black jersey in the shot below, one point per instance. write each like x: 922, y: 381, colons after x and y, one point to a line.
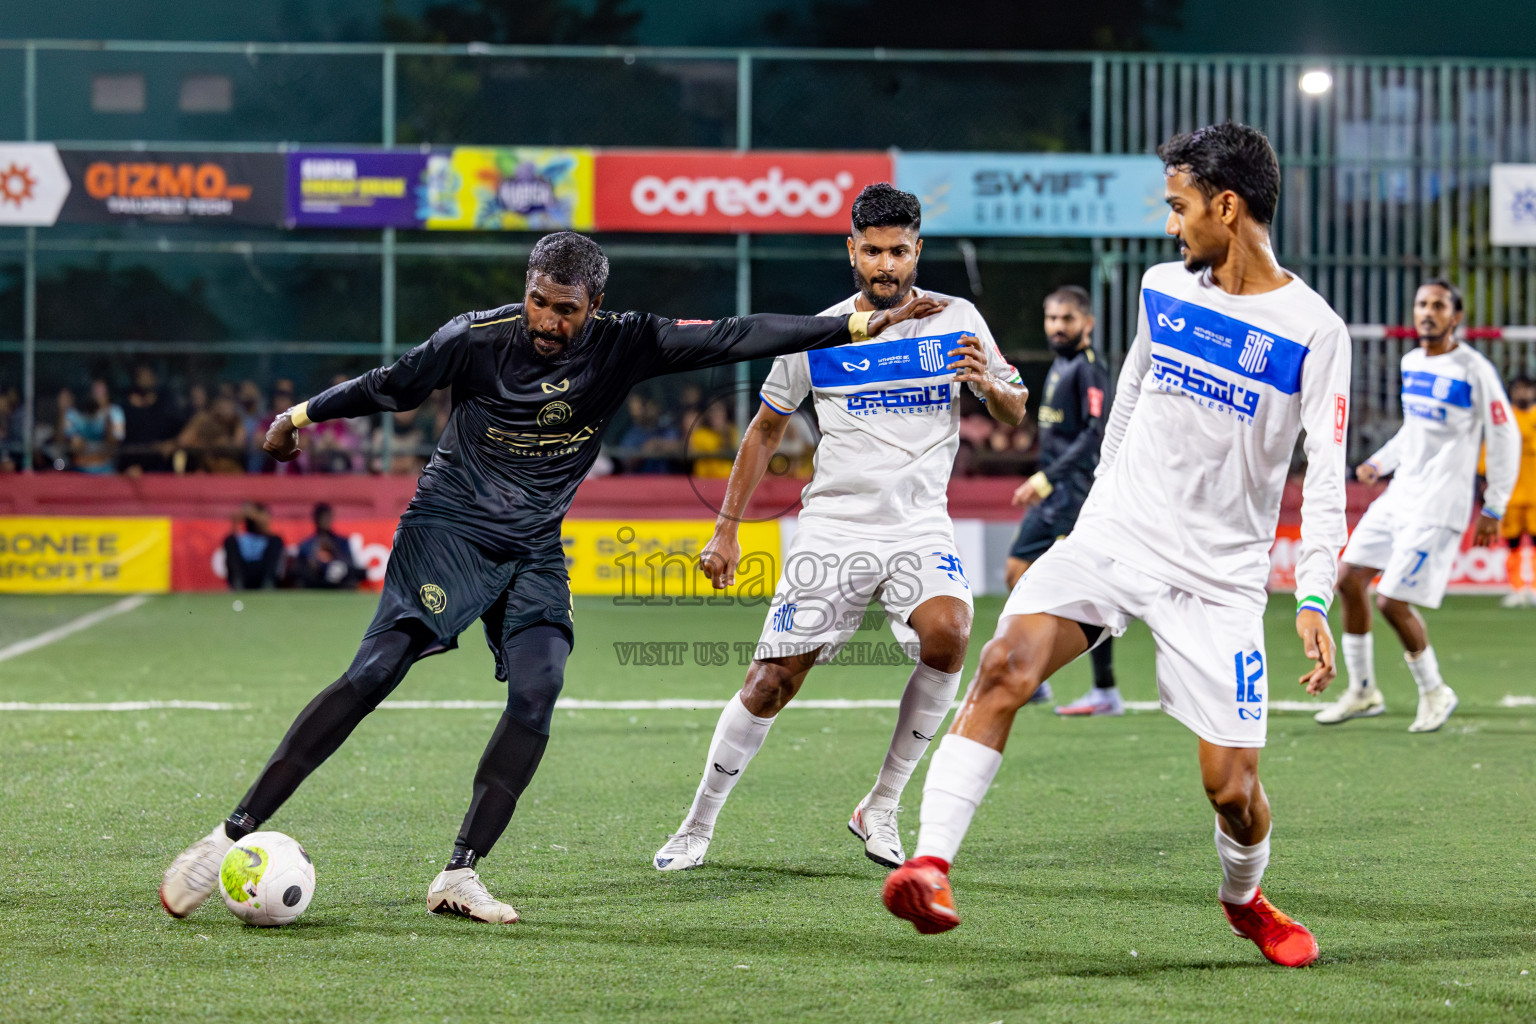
x: 551, y: 388
x: 433, y: 599
x: 554, y: 414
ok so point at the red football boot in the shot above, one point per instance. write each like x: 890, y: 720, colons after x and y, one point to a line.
x: 919, y: 892
x: 1281, y: 940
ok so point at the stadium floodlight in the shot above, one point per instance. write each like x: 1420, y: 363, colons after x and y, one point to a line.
x: 1316, y: 82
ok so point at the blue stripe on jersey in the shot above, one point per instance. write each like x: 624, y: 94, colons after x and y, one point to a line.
x: 1442, y: 389
x: 1224, y: 341
x: 849, y: 366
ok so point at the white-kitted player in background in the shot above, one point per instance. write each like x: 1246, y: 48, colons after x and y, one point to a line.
x: 1453, y: 402
x: 1233, y: 357
x: 875, y: 521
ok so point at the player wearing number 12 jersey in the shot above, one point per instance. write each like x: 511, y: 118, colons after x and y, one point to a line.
x: 1233, y: 357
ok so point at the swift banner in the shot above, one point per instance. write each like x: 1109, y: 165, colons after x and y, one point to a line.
x: 507, y: 189
x: 229, y: 188
x: 84, y: 556
x: 1056, y: 194
x: 723, y: 190
x: 357, y: 189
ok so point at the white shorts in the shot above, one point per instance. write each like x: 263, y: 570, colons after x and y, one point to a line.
x: 830, y: 577
x: 1415, y: 559
x: 1211, y: 672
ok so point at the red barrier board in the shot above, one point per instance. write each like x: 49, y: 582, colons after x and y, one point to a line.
x: 197, y: 548
x: 723, y: 190
x: 1475, y: 571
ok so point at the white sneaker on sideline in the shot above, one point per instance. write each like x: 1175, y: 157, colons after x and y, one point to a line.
x: 194, y: 874
x: 1434, y: 708
x: 461, y: 893
x: 877, y: 827
x: 1366, y: 703
x: 1518, y: 599
x: 684, y: 849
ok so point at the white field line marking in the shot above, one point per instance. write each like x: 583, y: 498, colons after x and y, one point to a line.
x: 1514, y: 701
x: 85, y: 621
x: 579, y: 704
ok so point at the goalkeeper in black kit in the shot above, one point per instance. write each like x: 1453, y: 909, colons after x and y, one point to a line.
x: 534, y: 385
x: 1072, y: 418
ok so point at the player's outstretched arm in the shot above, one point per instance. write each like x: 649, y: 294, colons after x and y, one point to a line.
x: 697, y: 345
x: 405, y: 385
x: 721, y: 555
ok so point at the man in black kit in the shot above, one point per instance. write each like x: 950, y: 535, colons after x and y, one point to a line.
x: 534, y: 385
x: 1071, y: 429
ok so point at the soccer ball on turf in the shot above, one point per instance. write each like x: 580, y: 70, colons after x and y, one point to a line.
x: 267, y: 879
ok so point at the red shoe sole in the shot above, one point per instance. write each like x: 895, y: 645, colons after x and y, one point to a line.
x: 167, y: 906
x: 907, y: 896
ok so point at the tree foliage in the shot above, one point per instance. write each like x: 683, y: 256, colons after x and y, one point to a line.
x: 975, y: 24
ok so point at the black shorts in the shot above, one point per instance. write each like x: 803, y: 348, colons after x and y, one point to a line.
x: 1047, y: 523
x: 447, y: 582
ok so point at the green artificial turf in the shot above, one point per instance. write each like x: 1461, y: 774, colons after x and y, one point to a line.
x: 1086, y: 886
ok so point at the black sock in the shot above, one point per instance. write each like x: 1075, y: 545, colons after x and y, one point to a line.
x: 1103, y: 659
x: 240, y: 824
x: 506, y: 768
x: 462, y: 857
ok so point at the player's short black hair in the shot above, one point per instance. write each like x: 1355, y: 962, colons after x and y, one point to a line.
x: 1228, y: 156
x: 1450, y: 289
x: 1074, y: 294
x: 572, y: 259
x: 882, y: 205
x: 1522, y: 381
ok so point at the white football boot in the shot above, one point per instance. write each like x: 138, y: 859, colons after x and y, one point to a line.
x: 461, y: 893
x: 1434, y: 708
x: 194, y: 874
x: 1366, y: 703
x: 684, y: 850
x: 877, y: 827
x: 1517, y: 599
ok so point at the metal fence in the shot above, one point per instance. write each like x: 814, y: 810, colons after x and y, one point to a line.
x: 1385, y: 176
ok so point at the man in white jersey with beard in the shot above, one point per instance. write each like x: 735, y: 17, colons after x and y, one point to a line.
x: 1233, y: 356
x: 1453, y: 401
x: 875, y: 523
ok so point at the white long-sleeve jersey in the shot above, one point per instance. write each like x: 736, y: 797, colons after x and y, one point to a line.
x: 1451, y: 404
x: 1212, y: 395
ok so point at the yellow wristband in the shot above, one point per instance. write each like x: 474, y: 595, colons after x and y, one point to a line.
x: 858, y: 325
x: 299, y: 414
x: 1041, y: 485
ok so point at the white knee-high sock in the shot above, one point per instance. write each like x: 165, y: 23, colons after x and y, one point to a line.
x: 924, y: 703
x: 738, y: 736
x: 1241, y: 866
x: 1425, y: 669
x: 1360, y: 660
x: 958, y: 777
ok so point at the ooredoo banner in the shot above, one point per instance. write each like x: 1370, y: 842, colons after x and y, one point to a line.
x: 229, y: 188
x: 197, y: 562
x: 1475, y: 571
x: 727, y: 191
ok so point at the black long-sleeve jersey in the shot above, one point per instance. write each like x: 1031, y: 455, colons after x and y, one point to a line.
x: 523, y: 433
x: 1072, y: 420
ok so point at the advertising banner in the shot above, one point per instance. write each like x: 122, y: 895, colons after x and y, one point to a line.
x: 650, y: 561
x: 727, y: 191
x: 32, y: 184
x: 1512, y: 204
x: 355, y: 189
x: 48, y: 555
x: 1475, y: 571
x: 198, y: 560
x: 478, y: 188
x: 226, y: 188
x: 1073, y: 195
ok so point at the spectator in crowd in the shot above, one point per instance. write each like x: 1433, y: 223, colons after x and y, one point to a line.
x: 649, y: 445
x: 213, y: 441
x: 324, y: 559
x: 253, y: 554
x: 92, y: 429
x: 12, y: 443
x: 253, y: 409
x: 151, y: 423
x: 713, y: 442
